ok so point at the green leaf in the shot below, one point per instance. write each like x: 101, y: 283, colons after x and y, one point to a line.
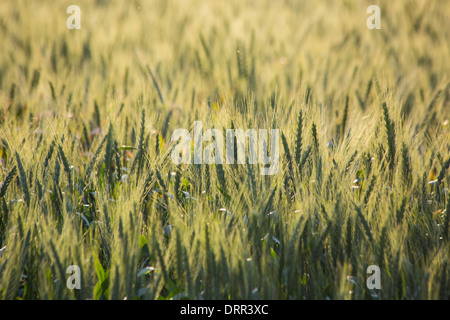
x: 142, y: 241
x: 127, y: 148
x: 99, y: 269
x: 226, y: 195
x: 102, y: 286
x: 274, y: 254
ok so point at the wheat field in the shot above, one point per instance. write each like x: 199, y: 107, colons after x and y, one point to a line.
x: 86, y: 118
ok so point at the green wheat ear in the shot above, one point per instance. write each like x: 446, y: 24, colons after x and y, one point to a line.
x: 139, y: 156
x: 390, y: 132
x: 23, y: 179
x: 65, y: 162
x: 35, y: 79
x: 369, y: 189
x: 344, y: 118
x: 445, y: 166
x: 406, y: 165
x: 350, y: 161
x: 299, y: 138
x: 94, y: 159
x: 221, y: 176
x: 7, y: 181
x: 315, y: 138
x: 155, y: 83
x: 446, y: 230
x: 305, y: 157
x: 287, y: 155
x: 251, y: 177
x: 177, y: 184
x: 52, y: 89
x: 49, y: 153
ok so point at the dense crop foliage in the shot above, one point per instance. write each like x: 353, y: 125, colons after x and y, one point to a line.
x: 86, y: 118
